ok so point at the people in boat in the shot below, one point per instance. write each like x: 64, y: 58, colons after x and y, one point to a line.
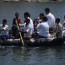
x: 58, y: 28
x: 27, y: 29
x: 17, y: 18
x: 43, y: 28
x: 4, y: 30
x: 51, y: 19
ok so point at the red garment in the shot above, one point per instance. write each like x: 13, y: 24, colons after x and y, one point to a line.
x: 19, y: 20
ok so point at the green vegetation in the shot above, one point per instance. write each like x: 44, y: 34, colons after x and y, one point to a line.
x: 41, y: 0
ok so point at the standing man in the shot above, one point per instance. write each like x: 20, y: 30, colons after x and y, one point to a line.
x: 51, y: 19
x: 17, y: 18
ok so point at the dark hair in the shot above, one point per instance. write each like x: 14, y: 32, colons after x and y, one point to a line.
x: 47, y: 9
x: 57, y: 20
x: 45, y: 18
x: 41, y: 14
x: 27, y: 14
x: 4, y: 21
x: 16, y: 13
x: 28, y: 20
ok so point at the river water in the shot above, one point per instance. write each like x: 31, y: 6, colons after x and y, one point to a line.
x: 36, y: 55
x: 8, y: 9
x: 32, y: 56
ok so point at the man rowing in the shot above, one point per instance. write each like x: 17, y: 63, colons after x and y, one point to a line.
x: 14, y: 29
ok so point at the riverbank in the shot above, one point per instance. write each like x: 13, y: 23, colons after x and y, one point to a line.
x: 36, y: 0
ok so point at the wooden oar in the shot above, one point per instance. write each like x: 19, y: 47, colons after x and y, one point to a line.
x: 20, y: 33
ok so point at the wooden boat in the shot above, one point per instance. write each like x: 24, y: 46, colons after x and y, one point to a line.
x: 34, y: 43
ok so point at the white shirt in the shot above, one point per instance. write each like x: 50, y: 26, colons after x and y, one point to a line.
x: 43, y: 29
x: 31, y: 24
x: 51, y: 20
x: 5, y: 32
x: 28, y: 29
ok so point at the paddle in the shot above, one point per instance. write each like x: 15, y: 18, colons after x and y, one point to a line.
x: 20, y: 33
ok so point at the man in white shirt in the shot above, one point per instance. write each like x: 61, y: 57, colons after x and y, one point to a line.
x: 51, y: 19
x: 27, y: 29
x: 43, y: 28
x: 4, y: 32
x: 27, y: 16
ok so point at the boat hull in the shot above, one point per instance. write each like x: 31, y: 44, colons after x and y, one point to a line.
x: 34, y: 43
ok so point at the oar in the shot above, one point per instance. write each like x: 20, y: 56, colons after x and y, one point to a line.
x: 20, y: 33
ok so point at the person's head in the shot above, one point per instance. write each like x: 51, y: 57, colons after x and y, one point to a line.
x: 64, y: 17
x: 45, y: 19
x: 27, y: 21
x: 4, y: 22
x: 41, y: 15
x: 17, y: 14
x: 57, y: 20
x: 26, y: 15
x: 47, y: 10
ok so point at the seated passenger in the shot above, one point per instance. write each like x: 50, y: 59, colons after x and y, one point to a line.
x: 58, y: 28
x: 41, y: 17
x: 27, y: 16
x: 43, y: 28
x: 27, y: 29
x: 14, y: 29
x: 51, y: 19
x: 4, y: 32
x: 38, y: 20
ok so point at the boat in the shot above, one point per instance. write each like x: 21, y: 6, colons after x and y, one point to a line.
x: 34, y: 43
